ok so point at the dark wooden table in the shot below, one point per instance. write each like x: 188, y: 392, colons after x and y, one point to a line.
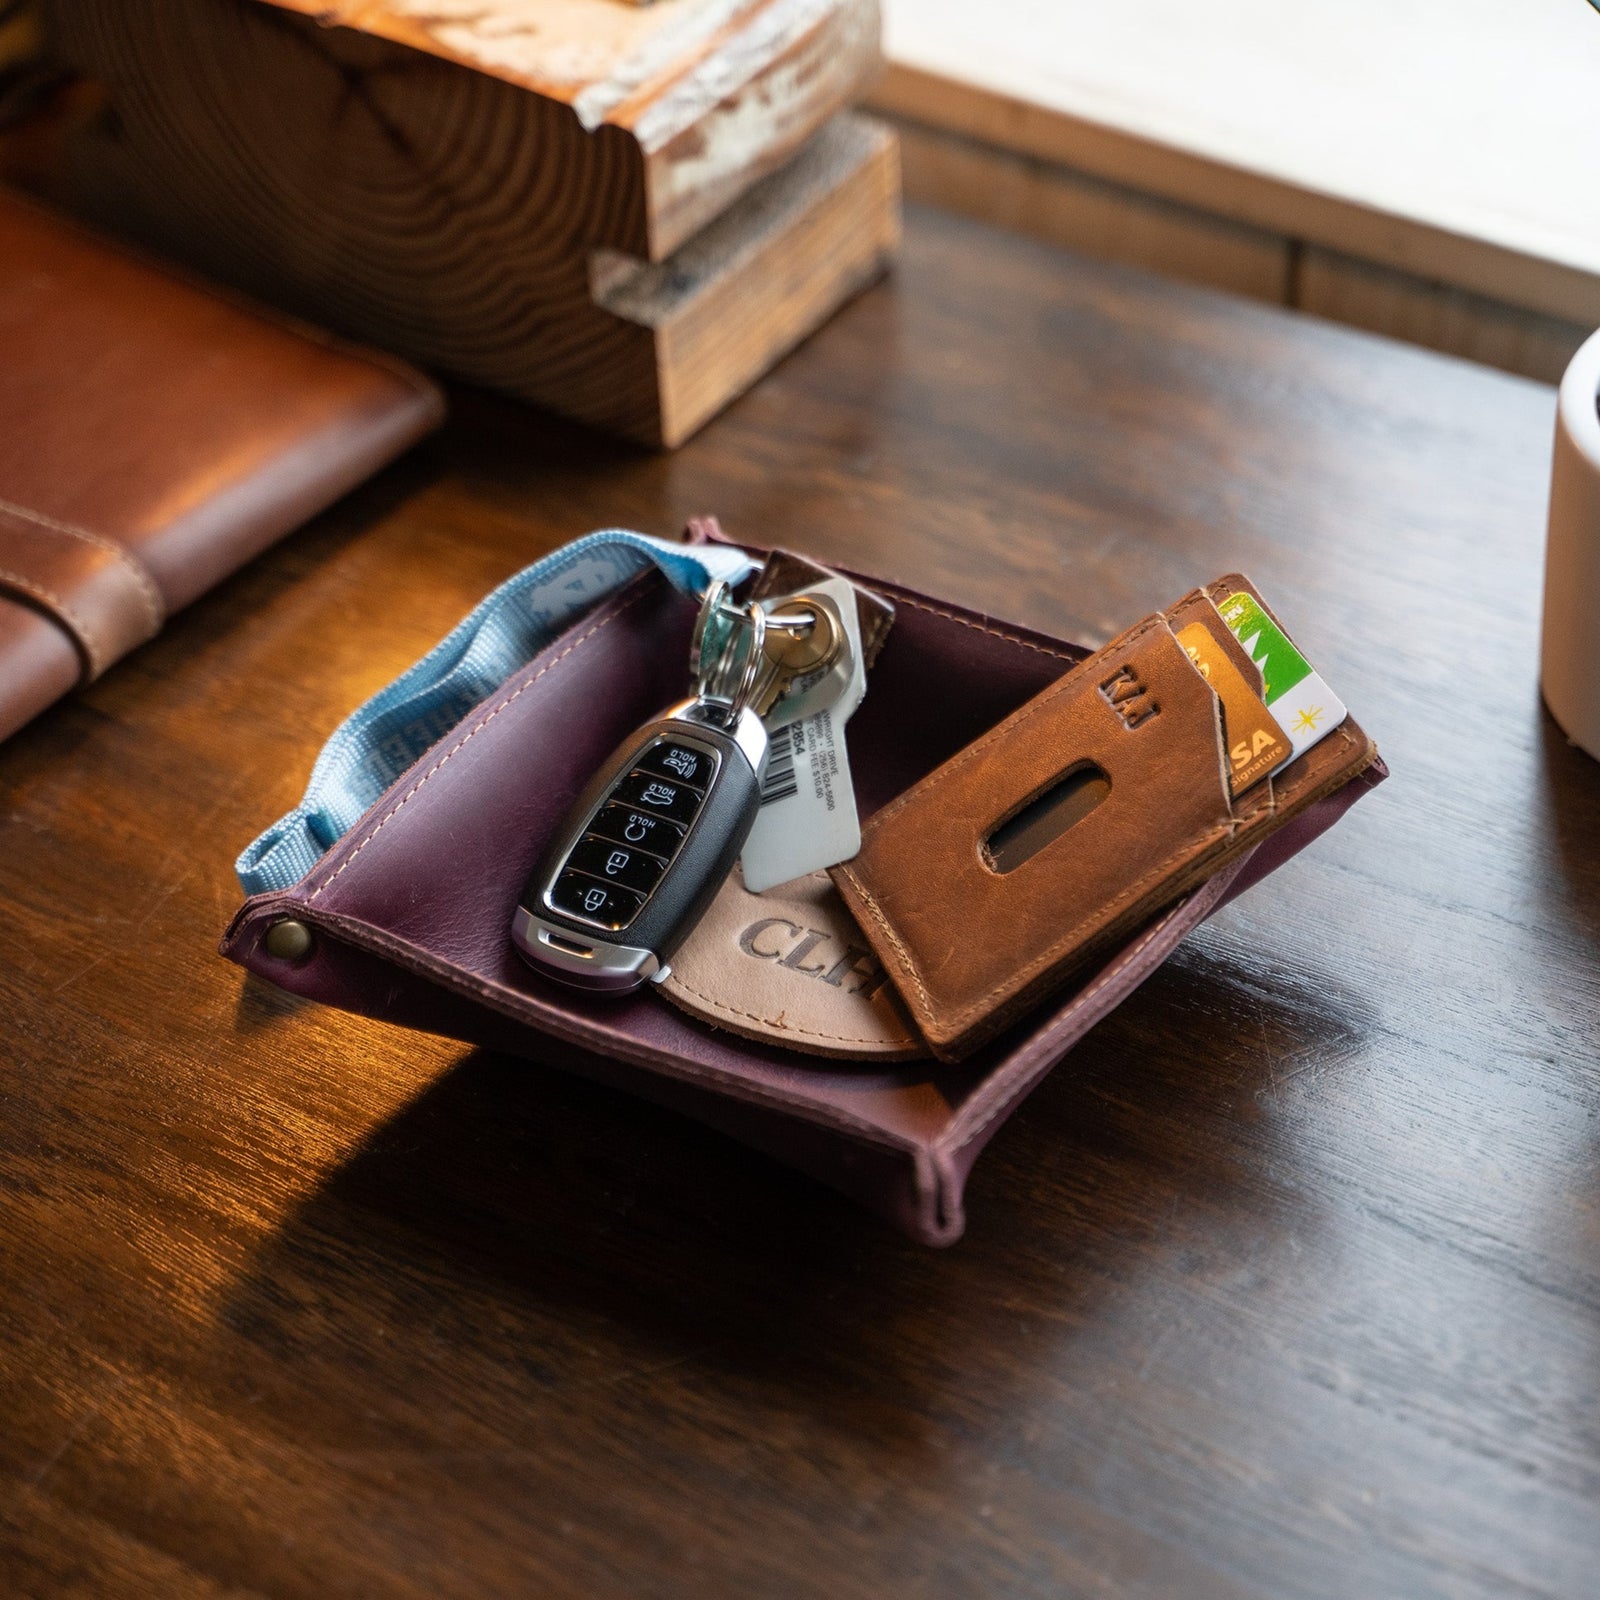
x: 1286, y: 1283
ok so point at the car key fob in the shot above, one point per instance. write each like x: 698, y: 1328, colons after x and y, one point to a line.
x: 656, y: 832
x: 644, y: 849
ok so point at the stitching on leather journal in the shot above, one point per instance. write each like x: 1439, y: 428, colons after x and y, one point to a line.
x: 81, y: 631
x: 468, y: 737
x: 155, y: 605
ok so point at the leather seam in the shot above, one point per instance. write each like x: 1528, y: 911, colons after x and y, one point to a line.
x: 981, y: 627
x: 81, y: 632
x: 1194, y: 846
x: 883, y: 922
x: 1190, y: 847
x: 367, y: 355
x: 1044, y: 959
x: 509, y: 1001
x: 467, y: 738
x: 155, y: 605
x: 804, y: 1033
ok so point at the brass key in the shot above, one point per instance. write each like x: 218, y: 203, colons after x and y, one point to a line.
x: 802, y: 636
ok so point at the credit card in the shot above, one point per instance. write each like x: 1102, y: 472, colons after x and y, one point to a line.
x: 1303, y: 705
x: 1255, y: 743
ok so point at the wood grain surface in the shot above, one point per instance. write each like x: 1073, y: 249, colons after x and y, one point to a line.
x: 1285, y: 1284
x: 414, y: 175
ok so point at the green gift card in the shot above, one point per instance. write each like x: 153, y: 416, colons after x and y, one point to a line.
x: 1280, y: 664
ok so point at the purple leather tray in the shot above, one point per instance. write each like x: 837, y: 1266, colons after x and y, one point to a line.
x: 411, y: 909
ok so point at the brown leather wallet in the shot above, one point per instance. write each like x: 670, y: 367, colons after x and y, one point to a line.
x: 1136, y: 734
x: 154, y: 436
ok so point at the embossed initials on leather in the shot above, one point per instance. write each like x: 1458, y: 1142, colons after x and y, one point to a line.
x: 766, y: 938
x: 789, y: 966
x: 1129, y: 696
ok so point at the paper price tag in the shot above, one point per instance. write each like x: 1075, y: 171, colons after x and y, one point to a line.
x: 808, y: 817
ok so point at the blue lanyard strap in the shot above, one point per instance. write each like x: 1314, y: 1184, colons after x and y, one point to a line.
x: 375, y: 744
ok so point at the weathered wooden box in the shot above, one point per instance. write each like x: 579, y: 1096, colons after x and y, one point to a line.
x: 624, y: 212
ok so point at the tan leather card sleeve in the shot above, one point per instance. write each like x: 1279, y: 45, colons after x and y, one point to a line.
x: 1060, y: 831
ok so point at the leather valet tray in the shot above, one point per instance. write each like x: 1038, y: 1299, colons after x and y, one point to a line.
x: 410, y: 910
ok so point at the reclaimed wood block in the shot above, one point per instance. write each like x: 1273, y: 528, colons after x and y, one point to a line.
x: 623, y: 212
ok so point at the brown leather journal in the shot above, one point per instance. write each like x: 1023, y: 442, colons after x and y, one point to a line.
x: 154, y: 436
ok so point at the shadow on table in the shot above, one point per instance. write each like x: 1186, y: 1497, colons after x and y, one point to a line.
x: 260, y: 1005
x: 524, y: 1228
x: 1571, y: 800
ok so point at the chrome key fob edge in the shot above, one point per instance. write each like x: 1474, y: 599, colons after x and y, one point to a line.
x: 597, y: 952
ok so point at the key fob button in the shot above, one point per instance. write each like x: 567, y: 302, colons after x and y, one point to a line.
x: 608, y: 904
x: 679, y: 763
x: 616, y: 863
x: 630, y: 826
x: 657, y: 797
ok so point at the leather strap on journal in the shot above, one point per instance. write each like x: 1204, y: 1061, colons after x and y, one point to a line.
x: 97, y: 590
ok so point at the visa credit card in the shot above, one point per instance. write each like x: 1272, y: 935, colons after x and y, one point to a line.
x: 1254, y: 742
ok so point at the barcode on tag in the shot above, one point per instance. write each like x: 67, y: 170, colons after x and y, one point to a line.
x: 777, y: 782
x: 807, y: 819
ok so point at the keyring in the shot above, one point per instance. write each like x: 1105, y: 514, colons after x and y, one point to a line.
x: 713, y: 630
x: 727, y: 651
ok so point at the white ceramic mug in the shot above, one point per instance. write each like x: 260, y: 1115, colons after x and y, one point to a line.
x: 1570, y: 665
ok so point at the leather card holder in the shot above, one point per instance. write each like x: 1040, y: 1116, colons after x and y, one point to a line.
x: 1127, y: 753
